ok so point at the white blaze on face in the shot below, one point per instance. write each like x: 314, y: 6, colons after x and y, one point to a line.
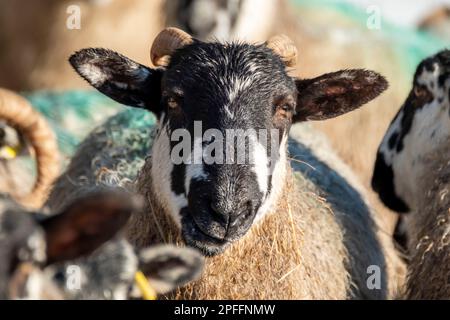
x: 162, y: 168
x: 278, y: 181
x: 238, y: 85
x: 195, y: 169
x: 429, y: 132
x: 260, y: 165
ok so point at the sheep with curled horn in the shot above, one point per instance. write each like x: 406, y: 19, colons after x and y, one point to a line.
x: 80, y: 253
x: 24, y: 131
x: 270, y: 228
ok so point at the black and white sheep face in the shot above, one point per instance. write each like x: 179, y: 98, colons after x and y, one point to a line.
x: 222, y: 87
x: 421, y: 126
x: 230, y: 118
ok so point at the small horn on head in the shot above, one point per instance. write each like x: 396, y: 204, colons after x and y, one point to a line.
x: 166, y: 42
x: 284, y: 47
x: 17, y: 112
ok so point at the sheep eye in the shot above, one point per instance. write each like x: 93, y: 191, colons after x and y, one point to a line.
x: 172, y: 103
x: 285, y: 110
x: 420, y: 91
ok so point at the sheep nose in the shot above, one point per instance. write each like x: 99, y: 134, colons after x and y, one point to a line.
x: 232, y: 220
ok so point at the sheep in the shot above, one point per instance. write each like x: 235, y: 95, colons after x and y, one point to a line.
x: 331, y: 35
x: 22, y: 129
x: 412, y: 175
x: 80, y: 253
x: 268, y: 232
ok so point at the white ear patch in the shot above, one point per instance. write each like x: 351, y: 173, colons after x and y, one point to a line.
x: 95, y: 75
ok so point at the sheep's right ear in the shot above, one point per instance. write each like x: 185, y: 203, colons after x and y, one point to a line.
x: 86, y: 224
x: 168, y: 267
x: 119, y: 77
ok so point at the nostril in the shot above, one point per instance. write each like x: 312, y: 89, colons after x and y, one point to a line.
x: 246, y: 214
x: 218, y: 214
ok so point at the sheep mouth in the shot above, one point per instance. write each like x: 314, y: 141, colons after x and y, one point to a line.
x: 195, y: 237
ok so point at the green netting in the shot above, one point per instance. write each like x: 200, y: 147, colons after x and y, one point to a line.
x: 73, y: 114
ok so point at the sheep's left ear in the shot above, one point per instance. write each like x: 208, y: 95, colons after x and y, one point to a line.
x: 86, y: 224
x: 119, y: 77
x: 168, y: 267
x: 334, y: 94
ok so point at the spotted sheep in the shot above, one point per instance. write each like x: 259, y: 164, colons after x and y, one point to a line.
x: 80, y: 253
x: 411, y: 176
x: 269, y: 230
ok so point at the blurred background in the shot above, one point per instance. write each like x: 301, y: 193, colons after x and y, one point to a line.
x: 388, y: 36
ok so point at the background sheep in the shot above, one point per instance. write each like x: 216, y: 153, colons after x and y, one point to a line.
x: 326, y: 260
x: 78, y: 254
x: 412, y: 174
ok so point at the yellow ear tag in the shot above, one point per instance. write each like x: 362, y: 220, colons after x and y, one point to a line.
x: 8, y: 152
x: 148, y: 293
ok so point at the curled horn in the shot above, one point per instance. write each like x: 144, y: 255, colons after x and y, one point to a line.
x: 166, y: 43
x: 284, y: 47
x: 18, y: 113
